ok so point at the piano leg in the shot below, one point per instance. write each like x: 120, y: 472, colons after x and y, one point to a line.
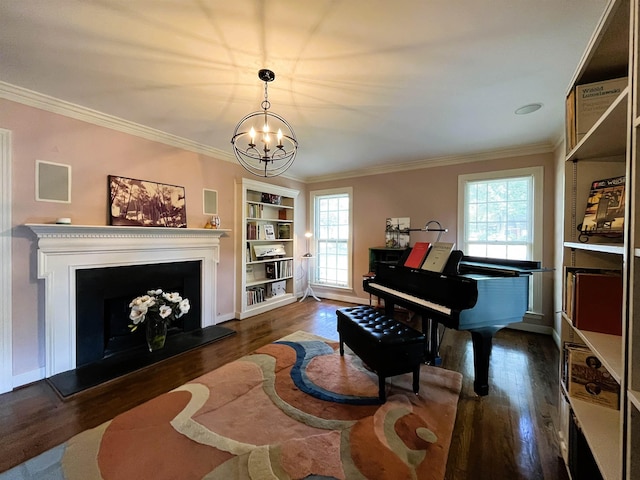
x: 481, y: 339
x: 431, y: 340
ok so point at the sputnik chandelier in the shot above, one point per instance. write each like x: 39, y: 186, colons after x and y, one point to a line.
x: 263, y: 142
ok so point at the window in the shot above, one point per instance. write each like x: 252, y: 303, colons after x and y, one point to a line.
x: 331, y: 223
x: 500, y: 216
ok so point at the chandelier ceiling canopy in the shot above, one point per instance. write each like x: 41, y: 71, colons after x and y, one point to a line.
x: 263, y: 142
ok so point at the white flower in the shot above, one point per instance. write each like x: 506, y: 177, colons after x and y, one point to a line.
x: 172, y: 297
x: 137, y: 314
x: 144, y: 301
x: 184, y: 307
x: 156, y: 303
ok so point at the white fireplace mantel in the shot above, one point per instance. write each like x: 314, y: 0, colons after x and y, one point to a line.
x: 63, y: 249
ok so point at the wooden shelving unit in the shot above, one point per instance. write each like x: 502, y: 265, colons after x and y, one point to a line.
x: 607, y: 150
x: 266, y: 238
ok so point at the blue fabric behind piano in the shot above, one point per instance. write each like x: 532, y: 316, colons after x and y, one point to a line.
x: 481, y: 295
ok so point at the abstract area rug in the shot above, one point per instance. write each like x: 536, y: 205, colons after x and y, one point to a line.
x: 294, y: 409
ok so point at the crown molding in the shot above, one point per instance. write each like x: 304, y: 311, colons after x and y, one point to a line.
x: 78, y: 112
x: 524, y: 150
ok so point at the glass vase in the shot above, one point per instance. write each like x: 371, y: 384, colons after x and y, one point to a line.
x: 156, y: 334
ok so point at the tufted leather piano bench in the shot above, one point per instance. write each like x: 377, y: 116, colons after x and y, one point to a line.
x: 387, y: 346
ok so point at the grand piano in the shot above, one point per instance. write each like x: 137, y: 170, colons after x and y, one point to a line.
x: 478, y: 294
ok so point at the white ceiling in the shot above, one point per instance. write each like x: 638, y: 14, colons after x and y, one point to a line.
x: 364, y: 83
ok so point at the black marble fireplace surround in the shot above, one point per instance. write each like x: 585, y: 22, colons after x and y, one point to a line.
x: 102, y: 305
x: 105, y: 346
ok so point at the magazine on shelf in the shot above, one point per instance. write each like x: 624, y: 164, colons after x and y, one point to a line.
x: 604, y: 213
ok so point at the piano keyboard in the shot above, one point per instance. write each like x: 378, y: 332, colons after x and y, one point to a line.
x: 411, y: 298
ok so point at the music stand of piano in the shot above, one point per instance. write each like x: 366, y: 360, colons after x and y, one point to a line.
x: 481, y: 295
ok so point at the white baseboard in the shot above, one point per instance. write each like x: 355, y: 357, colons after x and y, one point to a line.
x: 28, y: 377
x: 224, y: 318
x: 530, y: 327
x: 340, y: 298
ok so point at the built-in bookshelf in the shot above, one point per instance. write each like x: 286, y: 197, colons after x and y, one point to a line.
x: 266, y: 242
x: 607, y: 150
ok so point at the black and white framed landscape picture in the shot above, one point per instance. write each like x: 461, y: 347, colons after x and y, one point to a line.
x: 146, y: 204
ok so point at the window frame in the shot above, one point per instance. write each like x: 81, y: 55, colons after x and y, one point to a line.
x: 537, y: 175
x: 313, y: 197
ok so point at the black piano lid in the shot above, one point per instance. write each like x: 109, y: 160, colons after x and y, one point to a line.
x: 498, y: 266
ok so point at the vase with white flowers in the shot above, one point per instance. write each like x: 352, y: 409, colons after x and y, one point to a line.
x: 156, y: 310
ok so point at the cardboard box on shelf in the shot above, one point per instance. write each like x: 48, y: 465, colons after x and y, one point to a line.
x: 593, y: 99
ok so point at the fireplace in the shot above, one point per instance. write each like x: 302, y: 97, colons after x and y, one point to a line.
x: 66, y: 254
x: 103, y: 296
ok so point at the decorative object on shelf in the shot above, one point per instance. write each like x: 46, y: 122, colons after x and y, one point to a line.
x: 271, y: 198
x: 214, y: 223
x: 156, y: 310
x: 271, y: 250
x: 146, y: 204
x: 308, y: 236
x: 268, y: 148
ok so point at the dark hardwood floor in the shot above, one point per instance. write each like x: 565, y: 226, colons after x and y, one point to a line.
x: 509, y: 434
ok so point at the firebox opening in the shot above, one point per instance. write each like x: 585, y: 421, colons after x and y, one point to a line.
x: 103, y: 296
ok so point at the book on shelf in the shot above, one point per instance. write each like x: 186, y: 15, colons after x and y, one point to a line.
x: 255, y: 295
x: 269, y: 232
x: 588, y: 379
x: 598, y: 302
x: 438, y: 256
x: 250, y: 275
x: 278, y: 269
x: 417, y: 255
x: 254, y: 210
x: 604, y: 213
x: 593, y: 299
x: 252, y: 231
x: 284, y: 231
x: 570, y: 120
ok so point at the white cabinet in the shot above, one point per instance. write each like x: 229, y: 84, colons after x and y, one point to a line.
x: 606, y: 151
x: 266, y: 247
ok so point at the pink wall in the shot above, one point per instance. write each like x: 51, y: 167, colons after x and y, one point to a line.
x: 432, y: 194
x: 94, y: 153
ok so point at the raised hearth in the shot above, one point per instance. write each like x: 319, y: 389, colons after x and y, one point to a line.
x: 65, y: 249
